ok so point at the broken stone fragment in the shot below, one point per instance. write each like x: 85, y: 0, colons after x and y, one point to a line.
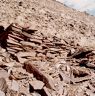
x: 37, y: 85
x: 2, y: 93
x: 15, y: 37
x: 17, y: 48
x: 12, y: 42
x: 11, y: 37
x: 11, y: 50
x: 25, y: 43
x: 39, y: 75
x: 36, y: 41
x: 15, y: 86
x: 46, y: 91
x: 50, y: 82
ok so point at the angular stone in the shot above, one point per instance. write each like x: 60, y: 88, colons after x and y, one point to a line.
x: 37, y: 85
x: 15, y: 86
x: 46, y: 91
x: 2, y: 93
x: 39, y: 75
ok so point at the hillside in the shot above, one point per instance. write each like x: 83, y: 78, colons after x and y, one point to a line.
x: 47, y: 49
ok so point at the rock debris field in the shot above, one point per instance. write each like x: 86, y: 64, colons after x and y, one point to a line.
x: 47, y: 50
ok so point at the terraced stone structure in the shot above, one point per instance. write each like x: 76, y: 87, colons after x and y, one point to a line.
x: 46, y: 49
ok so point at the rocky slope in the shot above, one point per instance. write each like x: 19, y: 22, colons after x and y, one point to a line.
x: 47, y: 49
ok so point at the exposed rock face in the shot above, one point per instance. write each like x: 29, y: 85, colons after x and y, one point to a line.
x: 46, y: 49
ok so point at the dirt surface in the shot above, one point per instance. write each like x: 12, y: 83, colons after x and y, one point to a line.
x: 46, y: 49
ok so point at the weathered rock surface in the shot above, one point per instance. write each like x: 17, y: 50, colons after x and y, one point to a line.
x: 46, y: 49
x: 37, y: 85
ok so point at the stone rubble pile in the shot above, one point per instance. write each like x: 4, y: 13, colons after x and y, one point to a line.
x: 32, y: 64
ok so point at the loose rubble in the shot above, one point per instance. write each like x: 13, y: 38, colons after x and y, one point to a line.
x: 47, y: 50
x: 38, y: 67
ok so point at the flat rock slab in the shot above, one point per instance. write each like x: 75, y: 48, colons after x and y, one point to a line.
x: 15, y: 86
x: 37, y: 85
x: 2, y: 93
